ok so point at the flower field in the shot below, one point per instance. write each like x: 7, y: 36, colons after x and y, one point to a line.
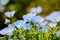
x: 31, y: 25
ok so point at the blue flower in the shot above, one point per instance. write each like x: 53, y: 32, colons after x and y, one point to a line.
x: 37, y: 19
x: 33, y: 10
x: 8, y: 30
x: 54, y: 16
x: 19, y: 23
x: 10, y: 14
x: 44, y: 28
x: 27, y: 26
x: 58, y: 33
x: 36, y: 10
x: 7, y: 21
x: 52, y: 24
x: 10, y: 39
x: 22, y: 24
x: 43, y: 25
x: 28, y: 17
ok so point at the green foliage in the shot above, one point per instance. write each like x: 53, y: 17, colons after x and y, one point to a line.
x: 34, y: 34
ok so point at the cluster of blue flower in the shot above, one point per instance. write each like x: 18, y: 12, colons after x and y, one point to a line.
x: 31, y: 17
x: 9, y: 15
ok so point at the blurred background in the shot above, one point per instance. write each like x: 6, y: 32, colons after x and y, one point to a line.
x: 23, y: 6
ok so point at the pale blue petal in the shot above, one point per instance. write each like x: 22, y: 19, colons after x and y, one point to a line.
x: 8, y: 30
x: 39, y: 10
x: 27, y: 26
x: 58, y: 33
x: 37, y: 19
x: 19, y: 23
x: 28, y: 16
x: 7, y: 21
x: 54, y: 16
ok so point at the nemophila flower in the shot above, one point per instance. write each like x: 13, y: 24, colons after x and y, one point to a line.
x: 27, y: 26
x: 10, y: 39
x: 43, y: 25
x: 8, y: 30
x: 37, y: 19
x: 10, y: 14
x: 44, y: 28
x: 19, y: 23
x: 36, y: 10
x: 54, y: 16
x: 7, y: 21
x: 58, y: 33
x: 52, y: 24
x: 22, y: 24
x: 33, y: 10
x: 28, y: 17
